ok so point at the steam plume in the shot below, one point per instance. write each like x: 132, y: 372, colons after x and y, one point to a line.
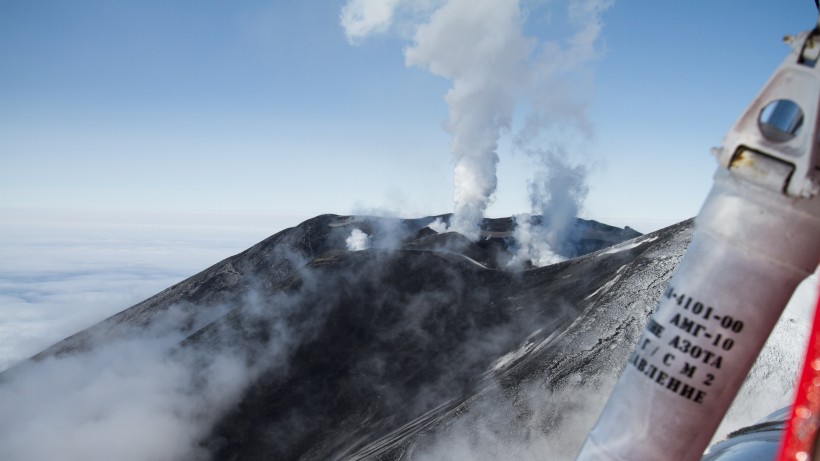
x: 357, y: 240
x: 493, y: 66
x: 556, y: 194
x: 480, y: 47
x: 560, y: 93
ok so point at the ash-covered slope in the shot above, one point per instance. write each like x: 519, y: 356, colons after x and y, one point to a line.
x: 422, y: 347
x: 276, y: 258
x: 400, y: 333
x: 539, y: 400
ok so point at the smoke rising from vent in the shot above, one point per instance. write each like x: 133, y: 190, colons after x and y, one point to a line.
x: 533, y: 241
x: 357, y: 240
x: 479, y: 46
x: 438, y: 225
x: 497, y: 72
x: 556, y: 195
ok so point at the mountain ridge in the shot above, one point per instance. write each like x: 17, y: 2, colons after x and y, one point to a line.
x: 378, y: 354
x: 303, y: 246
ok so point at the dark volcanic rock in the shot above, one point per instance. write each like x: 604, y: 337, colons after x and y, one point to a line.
x: 376, y: 354
x: 392, y: 326
x: 597, y: 307
x: 278, y: 257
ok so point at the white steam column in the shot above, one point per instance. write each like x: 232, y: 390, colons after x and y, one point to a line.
x: 757, y: 236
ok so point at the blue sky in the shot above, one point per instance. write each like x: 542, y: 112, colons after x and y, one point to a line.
x: 126, y: 126
x: 264, y: 107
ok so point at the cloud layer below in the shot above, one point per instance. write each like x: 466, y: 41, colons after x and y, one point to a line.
x: 63, y: 272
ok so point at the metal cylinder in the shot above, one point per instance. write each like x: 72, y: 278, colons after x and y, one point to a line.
x: 750, y: 250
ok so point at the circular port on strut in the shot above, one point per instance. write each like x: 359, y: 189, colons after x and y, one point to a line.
x: 780, y: 120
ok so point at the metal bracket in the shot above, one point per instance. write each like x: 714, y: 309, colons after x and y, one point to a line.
x: 781, y: 126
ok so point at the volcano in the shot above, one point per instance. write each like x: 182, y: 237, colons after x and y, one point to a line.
x: 423, y: 346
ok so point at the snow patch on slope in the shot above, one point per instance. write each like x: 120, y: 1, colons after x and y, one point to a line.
x: 608, y: 285
x: 629, y: 245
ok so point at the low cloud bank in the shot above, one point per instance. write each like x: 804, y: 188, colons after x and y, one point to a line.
x: 63, y: 272
x: 127, y: 400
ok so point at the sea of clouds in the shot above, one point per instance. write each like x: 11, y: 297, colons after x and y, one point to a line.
x: 64, y: 271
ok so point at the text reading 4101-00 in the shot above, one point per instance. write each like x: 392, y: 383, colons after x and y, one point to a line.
x: 704, y: 311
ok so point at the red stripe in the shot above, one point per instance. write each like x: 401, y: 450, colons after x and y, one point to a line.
x: 801, y: 429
